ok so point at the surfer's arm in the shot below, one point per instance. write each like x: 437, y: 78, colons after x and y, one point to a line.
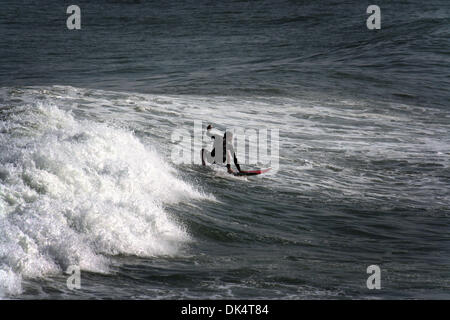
x: 213, y: 134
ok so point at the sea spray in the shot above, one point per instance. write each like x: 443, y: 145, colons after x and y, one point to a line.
x: 74, y: 192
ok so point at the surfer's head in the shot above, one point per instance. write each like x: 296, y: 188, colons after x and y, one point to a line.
x: 209, y: 127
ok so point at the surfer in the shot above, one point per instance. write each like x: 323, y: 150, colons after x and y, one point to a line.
x: 225, y: 150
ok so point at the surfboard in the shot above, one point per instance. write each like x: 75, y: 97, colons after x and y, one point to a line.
x: 241, y: 173
x: 251, y: 172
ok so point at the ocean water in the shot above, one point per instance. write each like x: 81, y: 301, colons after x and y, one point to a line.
x: 88, y: 177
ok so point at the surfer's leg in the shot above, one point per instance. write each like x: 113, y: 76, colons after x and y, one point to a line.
x: 202, y: 156
x: 236, y: 163
x: 213, y: 154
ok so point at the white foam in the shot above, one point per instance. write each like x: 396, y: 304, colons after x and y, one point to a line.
x: 74, y: 192
x: 10, y: 282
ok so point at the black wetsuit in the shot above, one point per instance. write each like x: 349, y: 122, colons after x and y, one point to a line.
x: 224, y: 153
x: 235, y: 160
